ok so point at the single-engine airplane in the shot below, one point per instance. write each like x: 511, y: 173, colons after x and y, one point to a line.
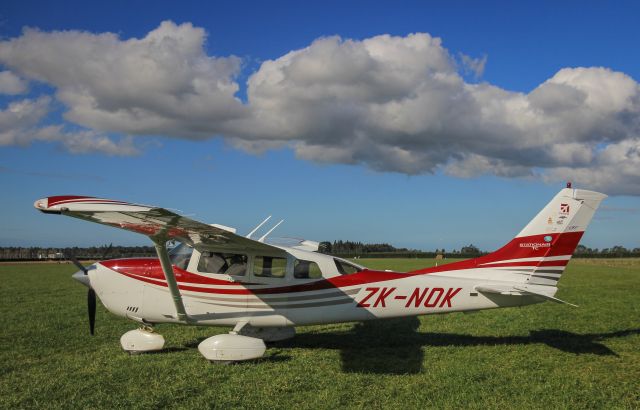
x: 216, y: 277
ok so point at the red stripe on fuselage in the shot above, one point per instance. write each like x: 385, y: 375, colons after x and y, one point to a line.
x: 148, y: 269
x: 534, y: 246
x: 528, y: 263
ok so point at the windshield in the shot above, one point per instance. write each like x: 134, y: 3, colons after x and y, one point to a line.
x: 180, y: 255
x: 346, y: 268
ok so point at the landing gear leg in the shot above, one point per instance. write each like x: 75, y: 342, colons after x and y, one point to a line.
x: 268, y: 334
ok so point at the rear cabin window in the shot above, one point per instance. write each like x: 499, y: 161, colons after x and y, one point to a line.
x: 269, y: 267
x: 306, y: 270
x: 345, y: 268
x: 223, y: 263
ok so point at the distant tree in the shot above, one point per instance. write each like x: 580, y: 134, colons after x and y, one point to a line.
x: 619, y: 251
x: 324, y: 247
x: 580, y: 249
x: 470, y: 250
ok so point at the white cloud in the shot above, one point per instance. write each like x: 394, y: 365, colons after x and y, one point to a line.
x: 412, y: 112
x: 162, y: 84
x: 390, y: 103
x: 11, y: 84
x: 86, y: 142
x: 20, y: 116
x: 20, y: 125
x: 473, y: 65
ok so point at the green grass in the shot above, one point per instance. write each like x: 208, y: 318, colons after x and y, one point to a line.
x: 541, y: 356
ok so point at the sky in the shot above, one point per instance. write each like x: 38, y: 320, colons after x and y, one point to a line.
x: 419, y: 124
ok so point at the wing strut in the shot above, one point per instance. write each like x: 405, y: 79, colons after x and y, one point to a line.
x: 167, y: 269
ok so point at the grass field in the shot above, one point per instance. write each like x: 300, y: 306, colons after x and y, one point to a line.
x: 541, y: 356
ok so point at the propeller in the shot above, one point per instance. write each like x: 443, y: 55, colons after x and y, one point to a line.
x: 91, y: 294
x: 91, y: 303
x: 107, y: 251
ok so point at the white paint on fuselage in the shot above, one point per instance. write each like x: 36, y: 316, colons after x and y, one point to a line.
x: 154, y: 304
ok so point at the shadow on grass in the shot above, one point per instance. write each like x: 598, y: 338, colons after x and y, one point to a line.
x: 394, y: 347
x: 167, y: 350
x: 193, y: 344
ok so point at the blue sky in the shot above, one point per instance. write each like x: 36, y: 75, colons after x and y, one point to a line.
x: 321, y: 195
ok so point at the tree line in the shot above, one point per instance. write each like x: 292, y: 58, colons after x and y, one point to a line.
x: 381, y: 250
x: 14, y: 253
x: 348, y: 249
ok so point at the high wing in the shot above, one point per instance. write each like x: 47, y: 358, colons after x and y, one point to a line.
x: 159, y: 224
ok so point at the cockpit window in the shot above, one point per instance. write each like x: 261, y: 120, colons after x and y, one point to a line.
x: 180, y: 255
x: 345, y: 268
x: 228, y: 263
x: 306, y: 270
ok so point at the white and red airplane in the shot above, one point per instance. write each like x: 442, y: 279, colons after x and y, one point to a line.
x: 215, y: 277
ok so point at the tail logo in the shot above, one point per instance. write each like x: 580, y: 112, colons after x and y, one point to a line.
x: 535, y: 245
x: 548, y: 238
x: 564, y: 208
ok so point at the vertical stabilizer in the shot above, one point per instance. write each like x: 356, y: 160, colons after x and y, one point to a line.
x: 541, y: 251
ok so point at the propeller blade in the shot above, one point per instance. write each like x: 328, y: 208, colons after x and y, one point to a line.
x: 73, y: 260
x: 91, y: 303
x: 107, y: 251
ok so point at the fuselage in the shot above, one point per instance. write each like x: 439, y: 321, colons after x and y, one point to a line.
x: 342, y: 292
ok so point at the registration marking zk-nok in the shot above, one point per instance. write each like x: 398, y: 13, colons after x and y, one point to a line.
x: 427, y: 297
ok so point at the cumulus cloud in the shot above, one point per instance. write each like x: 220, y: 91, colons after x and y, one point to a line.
x: 11, y: 84
x: 20, y: 125
x: 161, y: 84
x: 390, y: 103
x: 473, y: 65
x: 399, y: 104
x: 20, y: 116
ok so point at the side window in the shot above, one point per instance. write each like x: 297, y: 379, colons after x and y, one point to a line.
x: 345, y: 268
x: 306, y: 270
x: 227, y: 263
x: 269, y: 267
x: 180, y: 255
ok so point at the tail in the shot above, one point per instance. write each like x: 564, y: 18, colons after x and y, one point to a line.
x: 539, y: 254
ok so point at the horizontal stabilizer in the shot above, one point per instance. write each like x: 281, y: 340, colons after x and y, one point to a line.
x: 518, y: 291
x: 548, y: 297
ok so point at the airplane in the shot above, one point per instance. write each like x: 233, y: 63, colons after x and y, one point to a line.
x: 216, y: 277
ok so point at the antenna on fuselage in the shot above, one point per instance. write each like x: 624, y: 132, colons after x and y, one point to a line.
x: 257, y: 227
x: 270, y: 230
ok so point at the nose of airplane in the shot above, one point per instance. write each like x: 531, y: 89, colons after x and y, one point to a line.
x: 81, y: 277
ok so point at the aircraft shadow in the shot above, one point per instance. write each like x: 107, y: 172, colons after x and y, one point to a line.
x: 395, y: 347
x: 167, y: 350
